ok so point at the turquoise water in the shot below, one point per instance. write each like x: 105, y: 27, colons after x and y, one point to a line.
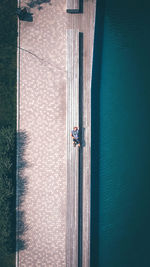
x: 120, y: 203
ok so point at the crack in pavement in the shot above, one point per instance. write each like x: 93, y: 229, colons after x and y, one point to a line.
x: 42, y: 60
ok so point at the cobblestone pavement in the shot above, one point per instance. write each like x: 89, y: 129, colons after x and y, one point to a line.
x: 42, y: 119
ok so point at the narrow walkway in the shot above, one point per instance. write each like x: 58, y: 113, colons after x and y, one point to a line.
x: 84, y: 22
x: 42, y: 124
x: 73, y: 167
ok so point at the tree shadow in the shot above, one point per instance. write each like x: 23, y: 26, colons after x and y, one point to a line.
x: 24, y: 14
x: 38, y: 3
x: 21, y: 190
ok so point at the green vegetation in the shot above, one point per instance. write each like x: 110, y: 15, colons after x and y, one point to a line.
x: 8, y: 48
x: 8, y: 45
x: 7, y: 193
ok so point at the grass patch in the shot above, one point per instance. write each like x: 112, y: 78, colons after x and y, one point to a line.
x: 8, y: 66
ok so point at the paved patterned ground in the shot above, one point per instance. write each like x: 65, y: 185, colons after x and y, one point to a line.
x: 43, y: 122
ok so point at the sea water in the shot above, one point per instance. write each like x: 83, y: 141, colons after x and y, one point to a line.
x: 120, y: 194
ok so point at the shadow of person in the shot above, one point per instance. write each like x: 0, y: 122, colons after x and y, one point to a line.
x: 24, y: 14
x: 82, y: 137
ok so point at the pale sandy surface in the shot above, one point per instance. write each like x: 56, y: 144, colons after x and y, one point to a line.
x: 42, y: 119
x: 41, y: 115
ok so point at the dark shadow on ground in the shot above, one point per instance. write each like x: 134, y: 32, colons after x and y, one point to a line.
x: 28, y: 17
x: 82, y: 144
x: 95, y: 135
x: 21, y: 189
x: 24, y: 14
x: 81, y: 89
x: 81, y: 6
x: 38, y: 3
x: 83, y: 139
x: 77, y: 11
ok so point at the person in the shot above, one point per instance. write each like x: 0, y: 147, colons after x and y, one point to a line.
x: 75, y: 136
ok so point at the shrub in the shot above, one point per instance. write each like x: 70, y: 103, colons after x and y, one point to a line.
x: 7, y: 191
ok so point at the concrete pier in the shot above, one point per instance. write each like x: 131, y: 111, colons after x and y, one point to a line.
x: 42, y: 206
